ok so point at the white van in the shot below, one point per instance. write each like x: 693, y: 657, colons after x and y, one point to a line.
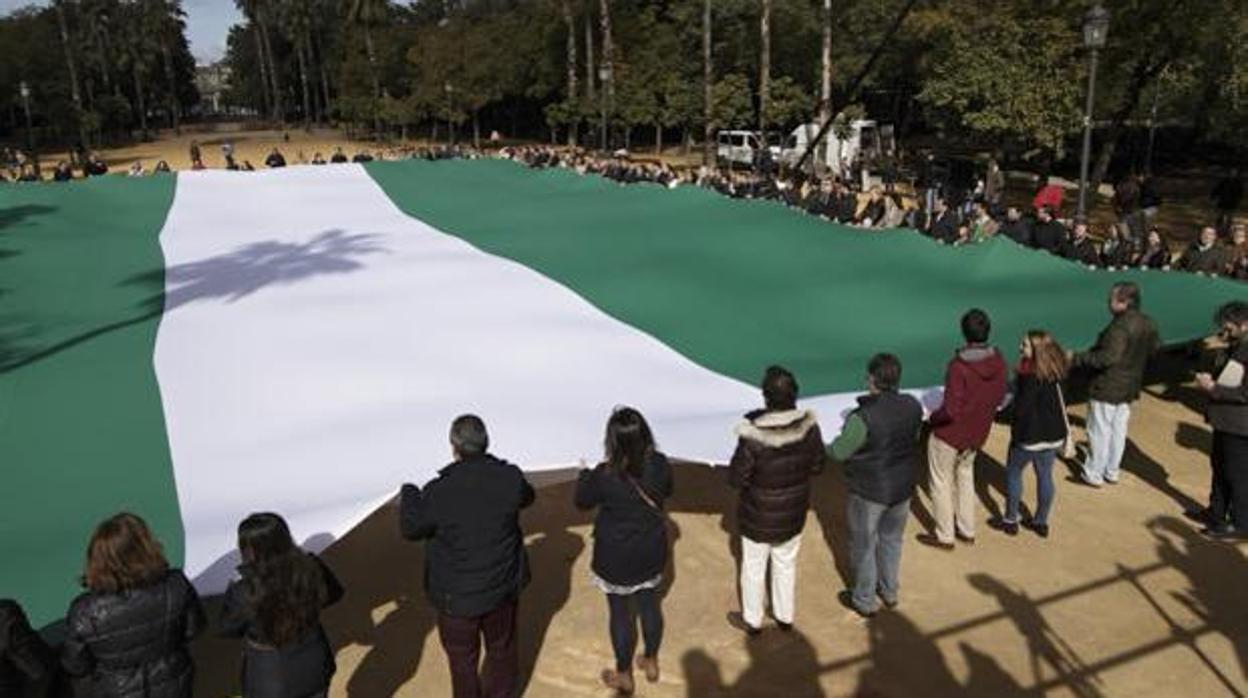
x: 865, y: 139
x: 738, y: 148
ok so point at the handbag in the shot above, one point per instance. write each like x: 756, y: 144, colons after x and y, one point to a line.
x: 1069, y: 450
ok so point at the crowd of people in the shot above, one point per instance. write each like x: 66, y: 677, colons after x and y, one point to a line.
x: 949, y: 215
x: 130, y: 629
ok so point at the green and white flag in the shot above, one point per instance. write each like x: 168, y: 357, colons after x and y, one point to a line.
x: 198, y: 348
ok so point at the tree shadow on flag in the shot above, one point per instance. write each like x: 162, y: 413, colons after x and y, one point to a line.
x: 228, y: 277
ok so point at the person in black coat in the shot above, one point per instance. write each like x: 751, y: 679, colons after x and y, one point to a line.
x: 27, y: 666
x: 1081, y: 248
x: 630, y: 540
x: 779, y: 449
x: 1016, y: 228
x: 275, y: 606
x: 1038, y: 431
x: 475, y: 561
x: 943, y: 223
x: 1048, y: 234
x: 129, y: 633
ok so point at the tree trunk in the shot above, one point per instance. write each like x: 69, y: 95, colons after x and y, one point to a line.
x: 72, y: 67
x: 764, y: 65
x: 1144, y: 73
x: 570, y: 21
x: 138, y: 96
x: 175, y: 114
x: 708, y: 126
x: 279, y: 107
x: 372, y: 69
x: 658, y: 139
x: 476, y: 130
x: 825, y: 72
x: 303, y: 83
x: 608, y: 65
x: 327, y: 110
x: 262, y: 59
x: 589, y: 55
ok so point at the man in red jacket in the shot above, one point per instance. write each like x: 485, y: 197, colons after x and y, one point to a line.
x: 974, y: 390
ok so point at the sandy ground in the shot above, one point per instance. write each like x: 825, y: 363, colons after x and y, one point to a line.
x: 1125, y: 598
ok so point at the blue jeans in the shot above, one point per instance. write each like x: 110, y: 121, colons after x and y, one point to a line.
x: 1017, y: 461
x: 875, y: 532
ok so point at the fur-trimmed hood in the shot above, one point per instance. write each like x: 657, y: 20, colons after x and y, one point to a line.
x: 778, y: 428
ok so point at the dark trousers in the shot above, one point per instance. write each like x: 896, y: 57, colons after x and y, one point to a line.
x: 461, y: 638
x: 1228, y: 496
x: 624, y: 625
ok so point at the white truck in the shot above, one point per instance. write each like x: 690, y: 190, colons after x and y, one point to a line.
x: 865, y: 139
x: 741, y: 148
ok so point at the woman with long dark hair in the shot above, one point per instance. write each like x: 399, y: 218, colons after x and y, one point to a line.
x: 275, y: 606
x: 630, y: 541
x: 128, y: 634
x: 1039, y: 429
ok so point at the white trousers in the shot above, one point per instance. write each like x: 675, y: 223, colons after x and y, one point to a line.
x: 1107, y: 438
x: 754, y: 557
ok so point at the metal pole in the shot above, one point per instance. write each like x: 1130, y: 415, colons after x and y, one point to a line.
x: 1152, y: 129
x: 1081, y: 215
x: 30, y: 129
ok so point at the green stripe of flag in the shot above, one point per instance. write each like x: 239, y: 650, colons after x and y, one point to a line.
x: 82, y: 431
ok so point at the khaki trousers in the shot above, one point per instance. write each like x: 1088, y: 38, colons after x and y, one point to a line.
x: 952, y: 481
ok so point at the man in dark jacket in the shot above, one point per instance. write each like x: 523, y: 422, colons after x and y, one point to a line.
x: 1048, y: 234
x: 879, y: 446
x: 1206, y: 255
x: 974, y: 389
x: 779, y: 448
x: 475, y: 562
x: 1117, y: 361
x: 1227, y: 515
x: 943, y: 223
x: 1081, y: 248
x: 1016, y: 227
x: 26, y: 664
x: 275, y: 159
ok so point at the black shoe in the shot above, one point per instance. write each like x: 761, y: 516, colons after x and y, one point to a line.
x: 1225, y: 533
x: 847, y: 600
x: 784, y: 627
x: 1041, y: 530
x: 1200, y: 516
x: 968, y: 540
x: 932, y: 541
x: 737, y: 621
x: 1009, y: 528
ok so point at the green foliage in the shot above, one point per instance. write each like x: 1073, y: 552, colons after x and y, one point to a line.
x: 731, y: 103
x: 789, y: 104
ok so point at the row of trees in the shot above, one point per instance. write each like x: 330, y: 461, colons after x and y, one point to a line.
x: 95, y: 68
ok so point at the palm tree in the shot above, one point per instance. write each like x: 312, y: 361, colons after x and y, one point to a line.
x: 72, y: 66
x: 166, y: 16
x: 296, y: 21
x: 570, y: 21
x: 251, y: 10
x: 825, y: 73
x: 364, y: 14
x: 608, y: 51
x: 140, y: 39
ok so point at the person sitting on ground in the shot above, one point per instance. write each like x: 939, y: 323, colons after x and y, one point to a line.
x: 983, y: 226
x: 779, y: 448
x: 1237, y: 252
x: 1227, y: 515
x: 162, y: 167
x: 29, y: 173
x: 1016, y: 227
x: 872, y: 215
x: 1206, y: 255
x: 1038, y: 431
x: 247, y: 166
x: 275, y: 159
x: 275, y: 606
x: 362, y: 156
x: 129, y: 634
x: 338, y: 157
x: 630, y: 541
x: 1080, y: 247
x: 943, y: 223
x: 1048, y: 234
x: 27, y: 665
x: 136, y: 169
x: 63, y: 172
x: 95, y: 166
x: 318, y: 159
x: 879, y: 446
x: 475, y: 561
x: 975, y: 383
x: 1156, y: 254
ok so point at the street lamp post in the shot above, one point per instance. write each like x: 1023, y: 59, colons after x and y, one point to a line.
x: 603, y: 75
x: 1095, y: 29
x: 24, y: 90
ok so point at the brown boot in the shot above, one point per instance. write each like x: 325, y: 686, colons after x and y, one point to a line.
x: 620, y: 681
x: 650, y: 667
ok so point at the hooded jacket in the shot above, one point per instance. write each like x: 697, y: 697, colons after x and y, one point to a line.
x: 777, y: 453
x: 975, y: 384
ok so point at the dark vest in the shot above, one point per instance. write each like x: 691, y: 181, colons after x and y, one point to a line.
x: 883, y: 470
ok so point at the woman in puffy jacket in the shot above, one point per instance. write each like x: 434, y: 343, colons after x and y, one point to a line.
x: 630, y: 541
x: 275, y: 606
x: 128, y: 635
